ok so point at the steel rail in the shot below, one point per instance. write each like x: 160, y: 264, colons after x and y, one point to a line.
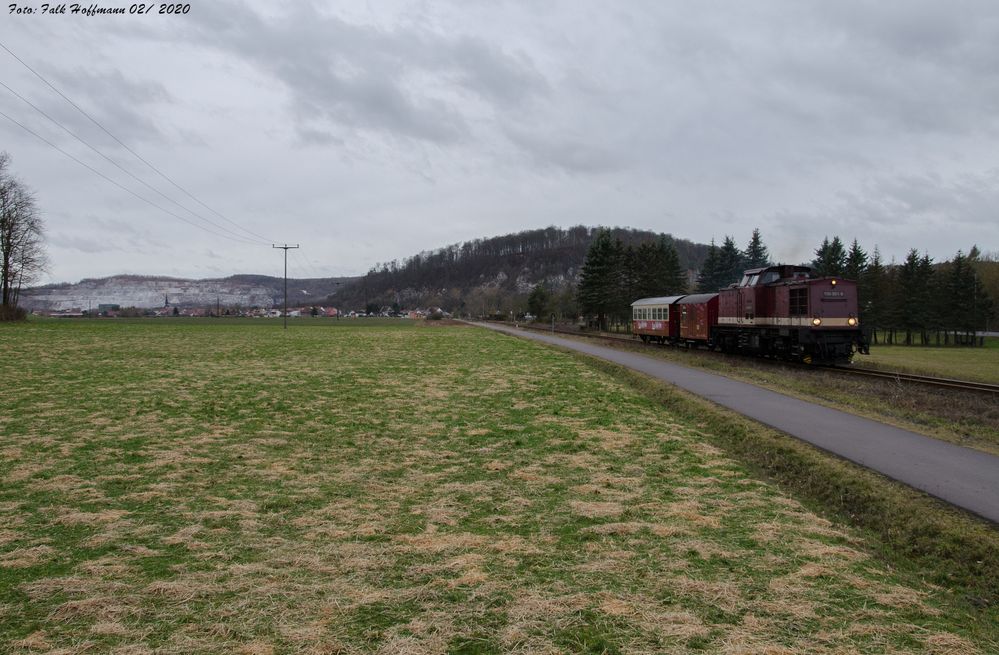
x: 946, y: 383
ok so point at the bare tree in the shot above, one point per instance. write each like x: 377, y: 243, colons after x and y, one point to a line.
x: 22, y: 253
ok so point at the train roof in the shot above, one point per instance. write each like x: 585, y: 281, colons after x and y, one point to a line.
x: 663, y: 300
x: 696, y: 299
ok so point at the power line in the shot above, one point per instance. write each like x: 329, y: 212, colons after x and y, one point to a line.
x: 122, y: 144
x: 121, y: 168
x: 124, y: 188
x: 304, y: 261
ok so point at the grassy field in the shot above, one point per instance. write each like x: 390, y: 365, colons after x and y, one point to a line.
x: 981, y: 364
x: 186, y: 487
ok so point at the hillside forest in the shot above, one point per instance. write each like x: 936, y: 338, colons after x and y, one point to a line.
x: 496, y: 276
x: 584, y: 273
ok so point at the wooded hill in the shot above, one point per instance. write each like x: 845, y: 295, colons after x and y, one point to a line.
x: 495, y: 275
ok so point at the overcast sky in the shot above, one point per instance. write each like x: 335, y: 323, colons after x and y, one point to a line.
x: 368, y: 131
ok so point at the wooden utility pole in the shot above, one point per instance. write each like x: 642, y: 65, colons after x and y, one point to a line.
x: 285, y: 248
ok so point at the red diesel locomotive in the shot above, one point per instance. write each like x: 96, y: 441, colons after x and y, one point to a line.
x: 777, y: 311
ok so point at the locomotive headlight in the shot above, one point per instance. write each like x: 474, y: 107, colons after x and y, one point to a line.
x: 852, y: 322
x: 816, y: 321
x: 833, y: 282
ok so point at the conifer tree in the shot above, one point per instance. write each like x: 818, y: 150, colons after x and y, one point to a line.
x: 707, y: 279
x: 912, y: 294
x: 873, y: 284
x: 648, y: 283
x: 856, y: 262
x: 599, y: 284
x: 981, y: 303
x: 730, y: 263
x: 628, y: 270
x: 830, y: 258
x: 968, y: 304
x: 673, y: 276
x: 756, y: 254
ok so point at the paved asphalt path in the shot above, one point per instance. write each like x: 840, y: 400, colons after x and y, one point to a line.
x: 961, y: 476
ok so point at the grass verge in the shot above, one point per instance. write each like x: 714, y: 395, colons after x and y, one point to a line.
x: 961, y: 363
x: 963, y: 418
x: 950, y: 547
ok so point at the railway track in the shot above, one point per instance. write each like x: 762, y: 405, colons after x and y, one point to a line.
x: 942, y: 383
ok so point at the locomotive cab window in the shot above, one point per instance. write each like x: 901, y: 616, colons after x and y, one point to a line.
x: 798, y: 301
x: 770, y: 276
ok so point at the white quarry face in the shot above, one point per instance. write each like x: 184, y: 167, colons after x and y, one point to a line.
x: 128, y: 291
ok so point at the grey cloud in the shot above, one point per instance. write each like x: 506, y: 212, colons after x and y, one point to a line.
x: 930, y: 198
x: 317, y: 137
x: 570, y: 153
x: 931, y: 212
x: 82, y: 244
x: 116, y: 102
x: 362, y: 77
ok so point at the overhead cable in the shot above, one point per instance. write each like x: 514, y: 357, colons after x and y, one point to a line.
x: 121, y: 168
x: 123, y: 145
x: 124, y: 188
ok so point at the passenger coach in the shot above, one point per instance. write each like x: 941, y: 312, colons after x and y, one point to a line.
x: 653, y: 320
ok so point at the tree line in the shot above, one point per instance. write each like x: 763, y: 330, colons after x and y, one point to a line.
x: 914, y: 297
x: 615, y: 274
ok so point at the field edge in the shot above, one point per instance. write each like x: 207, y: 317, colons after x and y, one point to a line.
x: 912, y: 530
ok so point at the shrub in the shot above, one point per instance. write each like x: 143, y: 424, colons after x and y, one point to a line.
x: 8, y: 313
